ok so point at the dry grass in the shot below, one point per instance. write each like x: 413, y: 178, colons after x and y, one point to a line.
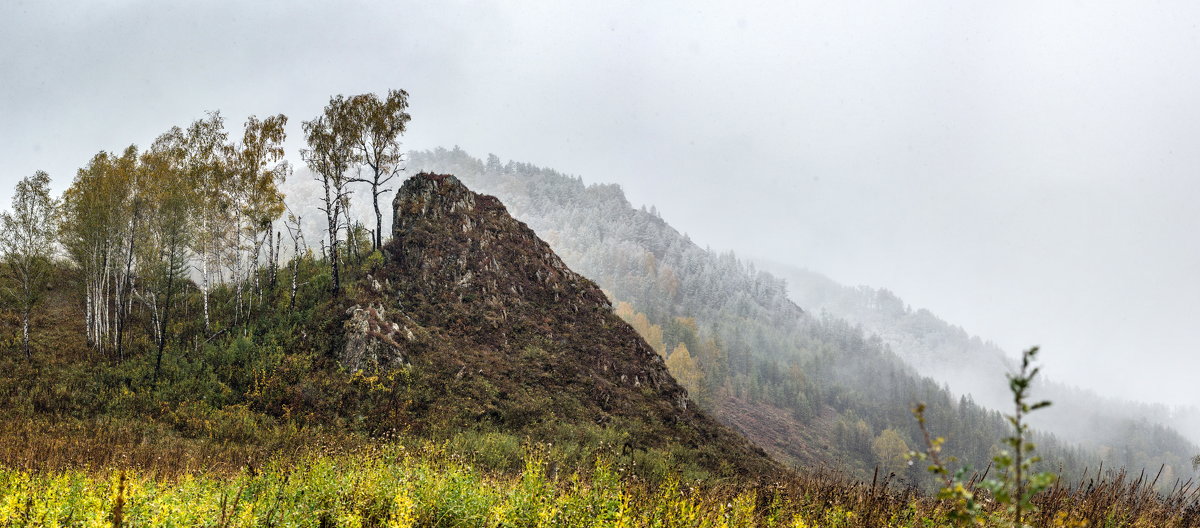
x: 51, y: 445
x: 154, y: 457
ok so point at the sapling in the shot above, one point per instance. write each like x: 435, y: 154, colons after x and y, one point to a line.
x: 1018, y: 484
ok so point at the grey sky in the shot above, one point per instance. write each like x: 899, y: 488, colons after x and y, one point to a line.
x: 1024, y: 169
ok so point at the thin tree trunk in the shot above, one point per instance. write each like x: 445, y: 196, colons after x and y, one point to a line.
x: 103, y: 301
x: 377, y: 242
x: 278, y: 239
x: 255, y: 270
x: 162, y: 334
x: 25, y: 334
x: 204, y: 287
x: 295, y: 269
x: 333, y: 208
x: 204, y: 272
x: 123, y: 297
x: 89, y: 311
x: 352, y: 239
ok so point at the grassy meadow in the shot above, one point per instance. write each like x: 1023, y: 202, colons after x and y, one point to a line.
x: 470, y: 481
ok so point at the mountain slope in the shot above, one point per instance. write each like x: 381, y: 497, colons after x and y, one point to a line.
x: 502, y: 335
x: 467, y: 332
x: 772, y: 370
x: 972, y: 366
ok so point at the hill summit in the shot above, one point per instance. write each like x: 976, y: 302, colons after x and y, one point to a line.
x: 495, y: 332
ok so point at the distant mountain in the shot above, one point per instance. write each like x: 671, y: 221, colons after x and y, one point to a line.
x: 935, y: 348
x: 969, y: 365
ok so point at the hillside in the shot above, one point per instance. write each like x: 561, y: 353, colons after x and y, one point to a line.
x: 812, y: 390
x: 510, y: 338
x: 968, y: 365
x: 467, y: 324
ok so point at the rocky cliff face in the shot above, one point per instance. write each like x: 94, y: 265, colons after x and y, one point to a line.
x: 493, y: 330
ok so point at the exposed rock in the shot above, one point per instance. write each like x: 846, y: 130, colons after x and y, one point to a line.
x: 373, y: 343
x: 499, y: 331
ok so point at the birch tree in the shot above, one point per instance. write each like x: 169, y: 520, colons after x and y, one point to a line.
x: 171, y: 200
x: 94, y: 223
x: 205, y: 142
x: 296, y: 233
x: 330, y: 154
x: 27, y: 235
x: 256, y: 170
x: 86, y: 211
x: 379, y: 125
x: 128, y: 179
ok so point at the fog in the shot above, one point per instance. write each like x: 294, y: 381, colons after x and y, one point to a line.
x: 1026, y: 170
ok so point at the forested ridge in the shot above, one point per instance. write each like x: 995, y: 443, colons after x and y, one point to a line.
x: 812, y: 388
x: 970, y: 365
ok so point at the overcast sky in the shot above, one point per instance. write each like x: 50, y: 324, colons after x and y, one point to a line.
x: 1027, y: 170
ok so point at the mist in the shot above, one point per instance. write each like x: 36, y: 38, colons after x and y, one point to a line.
x: 1024, y: 170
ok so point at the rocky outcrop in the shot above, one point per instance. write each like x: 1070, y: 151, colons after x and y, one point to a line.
x: 460, y: 245
x: 374, y: 343
x: 475, y: 269
x: 493, y: 329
